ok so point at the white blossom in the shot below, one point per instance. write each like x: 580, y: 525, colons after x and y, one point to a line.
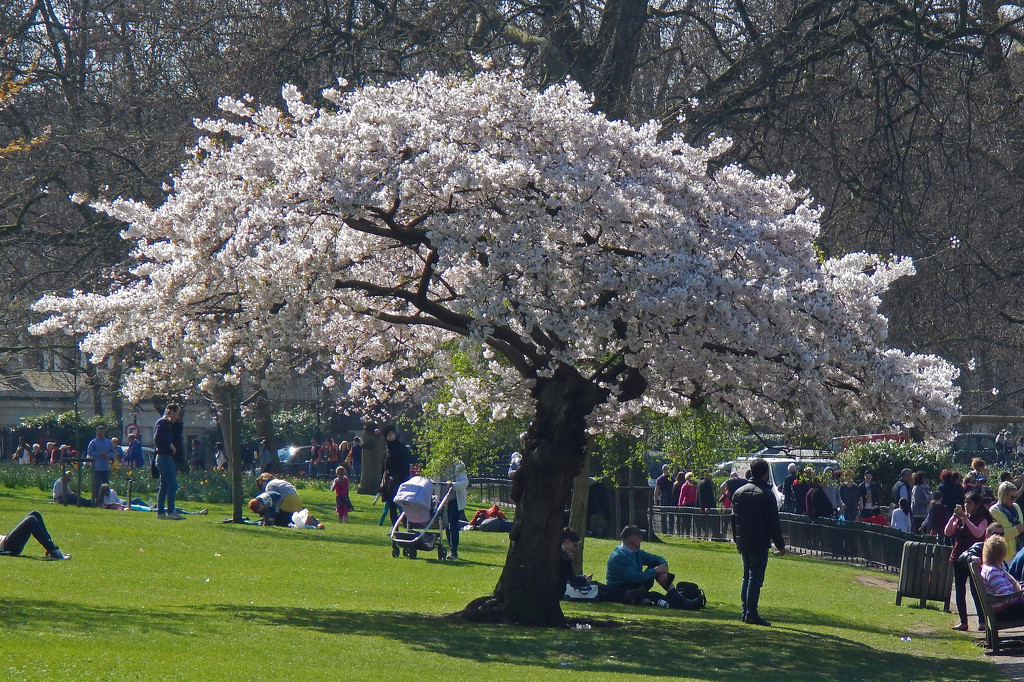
x: 436, y: 216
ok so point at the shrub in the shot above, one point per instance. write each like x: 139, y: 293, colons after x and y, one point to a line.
x: 888, y: 458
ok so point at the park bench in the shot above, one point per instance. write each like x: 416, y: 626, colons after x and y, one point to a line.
x: 925, y: 573
x: 992, y: 626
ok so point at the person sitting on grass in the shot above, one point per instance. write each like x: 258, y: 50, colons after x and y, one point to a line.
x: 31, y: 526
x: 577, y: 583
x: 62, y: 493
x: 1002, y: 588
x: 632, y: 572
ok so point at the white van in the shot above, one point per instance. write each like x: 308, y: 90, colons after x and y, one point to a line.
x: 778, y: 467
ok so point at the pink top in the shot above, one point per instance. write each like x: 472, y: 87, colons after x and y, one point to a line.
x: 687, y: 495
x: 340, y: 486
x: 977, y: 531
x: 1002, y: 588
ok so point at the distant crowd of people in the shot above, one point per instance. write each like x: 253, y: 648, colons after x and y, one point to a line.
x: 837, y: 494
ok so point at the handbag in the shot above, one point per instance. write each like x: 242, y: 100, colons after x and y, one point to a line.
x: 585, y: 593
x: 152, y: 468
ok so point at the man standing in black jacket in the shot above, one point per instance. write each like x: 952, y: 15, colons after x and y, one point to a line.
x: 755, y: 525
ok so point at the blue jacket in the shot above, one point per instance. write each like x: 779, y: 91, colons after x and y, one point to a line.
x: 626, y: 568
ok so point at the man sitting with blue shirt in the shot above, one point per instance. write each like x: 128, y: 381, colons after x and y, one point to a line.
x: 632, y: 572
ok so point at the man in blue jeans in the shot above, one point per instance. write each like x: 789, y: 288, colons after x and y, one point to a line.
x: 101, y: 452
x: 163, y: 442
x: 755, y: 525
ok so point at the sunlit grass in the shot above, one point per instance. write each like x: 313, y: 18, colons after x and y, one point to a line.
x: 149, y: 599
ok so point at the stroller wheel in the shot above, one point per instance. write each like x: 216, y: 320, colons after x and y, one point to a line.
x: 395, y: 551
x: 441, y: 554
x: 412, y: 553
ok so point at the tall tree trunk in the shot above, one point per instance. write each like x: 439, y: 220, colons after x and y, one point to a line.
x: 95, y: 387
x: 373, y: 461
x: 116, y: 401
x: 229, y: 417
x: 263, y: 419
x: 529, y: 591
x: 578, y: 507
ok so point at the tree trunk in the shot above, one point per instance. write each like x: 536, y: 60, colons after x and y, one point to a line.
x: 229, y: 417
x: 373, y: 461
x: 116, y: 402
x: 263, y: 419
x: 529, y: 590
x: 578, y: 507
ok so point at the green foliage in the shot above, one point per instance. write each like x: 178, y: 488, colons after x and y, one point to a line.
x: 203, y: 486
x: 296, y: 426
x: 888, y: 458
x: 695, y: 440
x: 483, y: 446
x: 613, y: 452
x: 71, y: 427
x: 197, y: 595
x: 71, y: 420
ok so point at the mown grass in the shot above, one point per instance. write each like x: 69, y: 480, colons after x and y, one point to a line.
x: 189, y: 600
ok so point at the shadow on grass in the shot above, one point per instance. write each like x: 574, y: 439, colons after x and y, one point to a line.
x: 673, y: 644
x: 728, y: 651
x: 53, y: 616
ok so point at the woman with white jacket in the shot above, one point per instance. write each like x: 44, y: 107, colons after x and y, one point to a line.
x: 456, y: 477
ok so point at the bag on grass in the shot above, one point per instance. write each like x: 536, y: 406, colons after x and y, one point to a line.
x: 694, y: 597
x: 583, y: 593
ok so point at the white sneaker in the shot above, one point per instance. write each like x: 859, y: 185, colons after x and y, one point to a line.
x: 56, y: 555
x: 175, y: 516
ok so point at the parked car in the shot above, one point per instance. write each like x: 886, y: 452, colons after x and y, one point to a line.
x: 778, y: 467
x: 147, y: 454
x: 967, y: 446
x: 295, y: 459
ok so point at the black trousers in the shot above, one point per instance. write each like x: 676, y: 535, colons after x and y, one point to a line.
x: 30, y: 526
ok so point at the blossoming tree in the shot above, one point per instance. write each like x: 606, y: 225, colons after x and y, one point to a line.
x: 587, y: 267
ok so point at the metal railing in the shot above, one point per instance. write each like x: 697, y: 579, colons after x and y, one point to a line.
x: 493, y: 490
x: 859, y: 542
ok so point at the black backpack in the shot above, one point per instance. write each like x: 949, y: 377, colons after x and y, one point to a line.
x: 694, y: 597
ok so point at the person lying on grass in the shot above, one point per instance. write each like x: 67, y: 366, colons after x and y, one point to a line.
x: 31, y: 526
x: 109, y: 500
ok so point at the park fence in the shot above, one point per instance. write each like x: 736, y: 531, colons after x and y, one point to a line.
x: 493, y: 490
x: 858, y: 542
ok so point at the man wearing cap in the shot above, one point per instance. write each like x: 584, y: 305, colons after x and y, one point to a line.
x: 633, y: 572
x: 755, y: 525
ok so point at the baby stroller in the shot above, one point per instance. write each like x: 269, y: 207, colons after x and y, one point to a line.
x: 426, y: 517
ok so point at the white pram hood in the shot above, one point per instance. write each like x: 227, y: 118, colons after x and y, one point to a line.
x: 414, y: 497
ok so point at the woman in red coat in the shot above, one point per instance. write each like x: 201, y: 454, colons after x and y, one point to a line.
x: 688, y: 492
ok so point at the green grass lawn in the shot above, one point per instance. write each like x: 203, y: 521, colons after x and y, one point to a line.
x: 196, y: 599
